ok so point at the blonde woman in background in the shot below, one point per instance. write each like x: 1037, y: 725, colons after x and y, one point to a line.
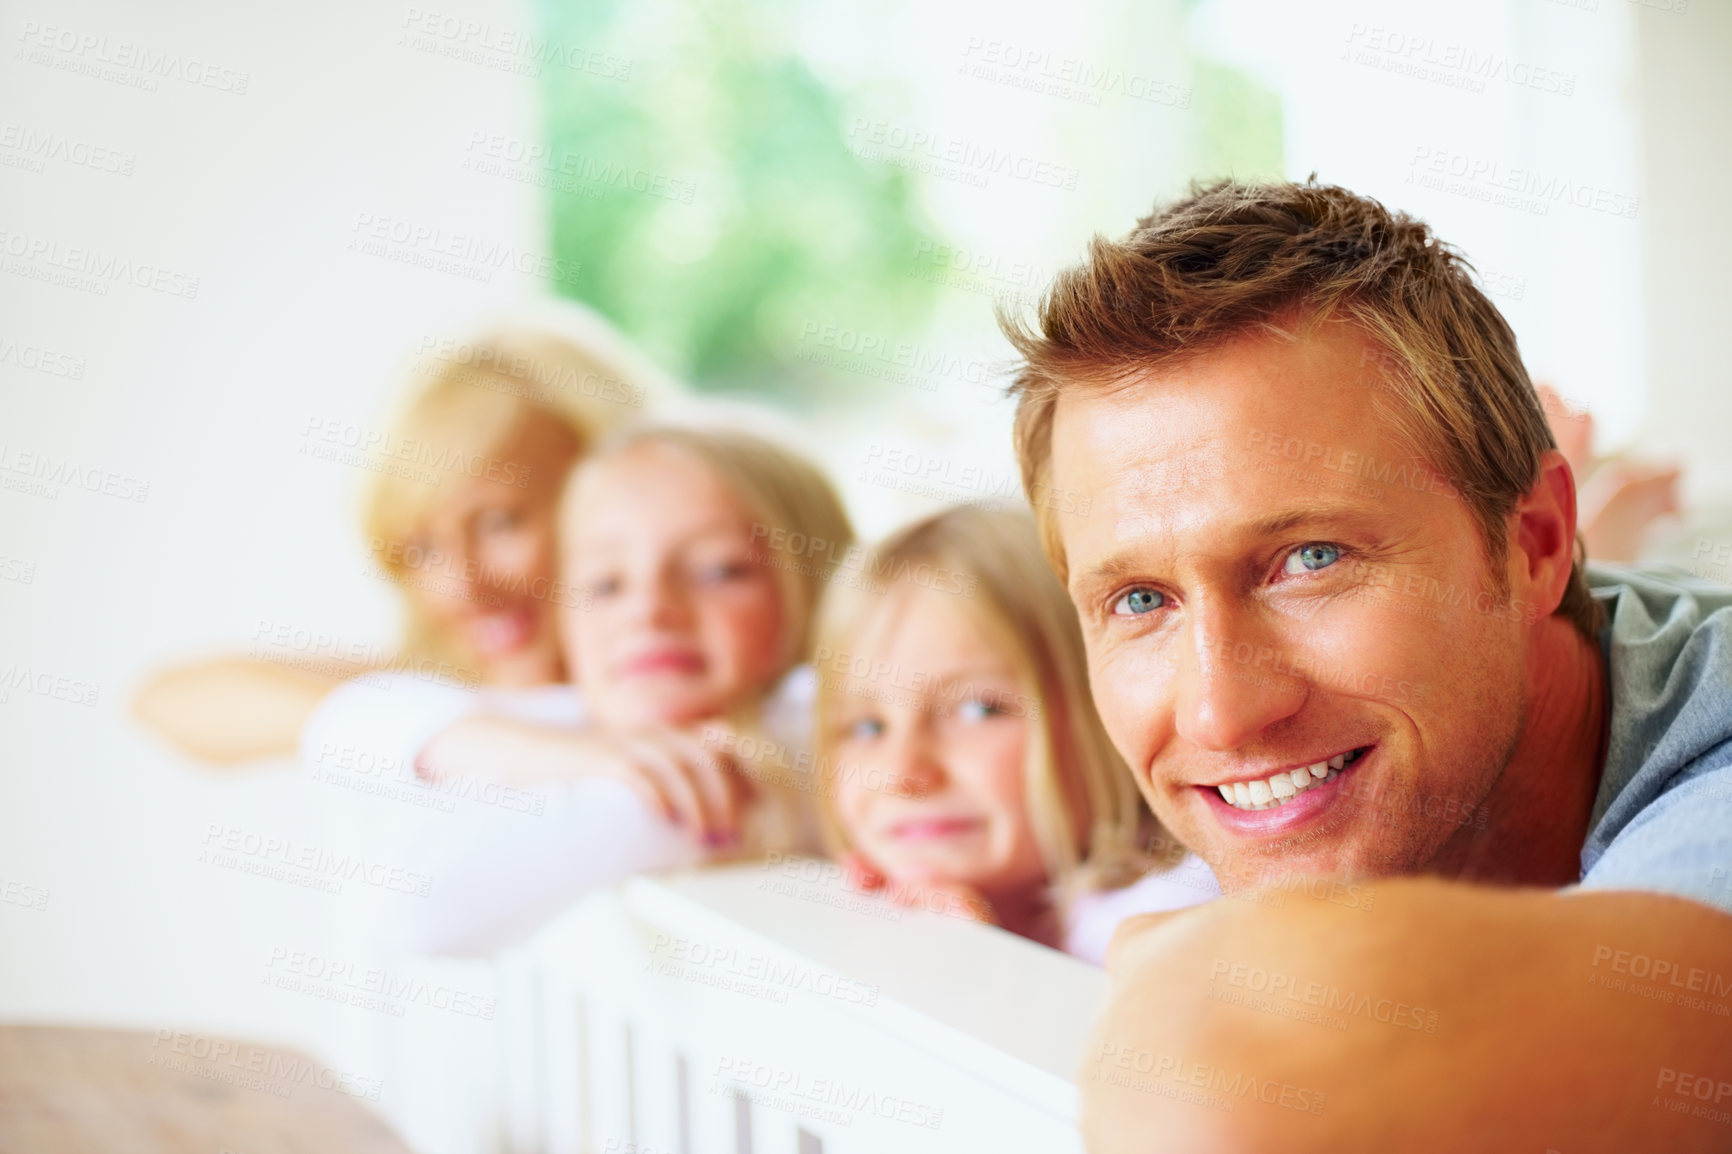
x: 461, y: 517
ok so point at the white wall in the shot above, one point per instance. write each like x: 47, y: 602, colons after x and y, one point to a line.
x: 1687, y: 238
x: 206, y: 399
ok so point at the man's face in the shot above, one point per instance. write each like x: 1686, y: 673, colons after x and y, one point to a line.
x: 1280, y: 598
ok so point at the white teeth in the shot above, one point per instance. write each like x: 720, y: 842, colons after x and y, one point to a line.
x: 1282, y: 786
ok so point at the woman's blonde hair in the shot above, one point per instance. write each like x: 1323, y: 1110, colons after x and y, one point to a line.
x: 1082, y: 802
x: 471, y: 400
x: 800, y: 528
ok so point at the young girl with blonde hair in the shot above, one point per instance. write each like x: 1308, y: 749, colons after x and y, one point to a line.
x: 968, y: 762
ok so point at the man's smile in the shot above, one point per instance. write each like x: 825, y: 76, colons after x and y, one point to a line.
x: 1281, y: 801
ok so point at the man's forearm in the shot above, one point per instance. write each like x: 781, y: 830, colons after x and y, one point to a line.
x: 1436, y: 1016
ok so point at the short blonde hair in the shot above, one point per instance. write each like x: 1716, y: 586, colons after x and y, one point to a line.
x: 1233, y: 258
x: 1074, y: 780
x: 800, y: 527
x: 475, y: 398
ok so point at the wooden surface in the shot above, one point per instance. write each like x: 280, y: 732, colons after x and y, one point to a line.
x: 68, y: 1091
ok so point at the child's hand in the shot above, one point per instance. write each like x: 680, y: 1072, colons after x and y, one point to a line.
x: 676, y: 774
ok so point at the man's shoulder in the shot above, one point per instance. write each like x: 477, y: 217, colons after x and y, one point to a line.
x: 1644, y: 595
x: 1667, y: 780
x: 1668, y: 648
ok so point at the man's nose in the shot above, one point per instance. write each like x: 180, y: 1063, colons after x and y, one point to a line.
x: 1232, y: 680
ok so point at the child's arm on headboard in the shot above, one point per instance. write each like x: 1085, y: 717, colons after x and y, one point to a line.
x: 675, y: 773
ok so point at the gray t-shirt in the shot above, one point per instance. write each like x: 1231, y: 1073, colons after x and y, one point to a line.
x: 1662, y: 820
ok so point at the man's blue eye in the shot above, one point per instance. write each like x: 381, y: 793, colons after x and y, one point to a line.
x: 1137, y: 602
x: 1310, y: 558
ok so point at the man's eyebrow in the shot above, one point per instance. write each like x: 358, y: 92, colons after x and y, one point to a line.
x: 1276, y: 524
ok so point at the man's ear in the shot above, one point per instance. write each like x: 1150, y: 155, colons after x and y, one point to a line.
x: 1544, y: 537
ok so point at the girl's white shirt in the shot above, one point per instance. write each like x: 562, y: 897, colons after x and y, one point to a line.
x: 504, y: 860
x: 1094, y: 916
